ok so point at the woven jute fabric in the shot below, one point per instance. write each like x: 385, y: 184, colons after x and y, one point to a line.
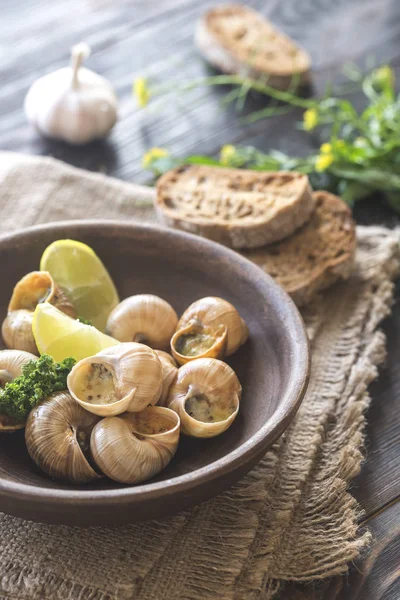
x: 291, y: 519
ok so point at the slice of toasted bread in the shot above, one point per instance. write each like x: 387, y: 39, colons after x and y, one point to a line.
x: 238, y: 208
x: 236, y: 39
x: 317, y: 255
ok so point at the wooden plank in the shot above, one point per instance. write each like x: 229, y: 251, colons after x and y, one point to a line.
x: 379, y: 481
x: 377, y: 577
x: 123, y: 36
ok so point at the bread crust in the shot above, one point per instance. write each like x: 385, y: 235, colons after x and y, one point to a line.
x: 235, y: 207
x: 331, y: 220
x: 237, y: 40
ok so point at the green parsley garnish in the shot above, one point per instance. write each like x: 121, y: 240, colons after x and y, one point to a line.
x: 39, y: 379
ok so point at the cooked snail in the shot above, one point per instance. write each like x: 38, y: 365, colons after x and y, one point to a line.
x: 16, y: 331
x: 143, y: 318
x: 11, y: 363
x: 133, y: 447
x: 169, y: 371
x: 31, y: 290
x: 126, y: 377
x: 57, y: 436
x: 211, y: 327
x: 37, y: 287
x: 206, y: 395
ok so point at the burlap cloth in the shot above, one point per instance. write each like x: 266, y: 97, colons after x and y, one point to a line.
x: 291, y: 518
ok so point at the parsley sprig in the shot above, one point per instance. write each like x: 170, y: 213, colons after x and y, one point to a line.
x: 39, y: 379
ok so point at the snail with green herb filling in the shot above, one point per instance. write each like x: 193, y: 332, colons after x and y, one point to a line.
x: 210, y: 328
x: 126, y: 377
x: 206, y: 395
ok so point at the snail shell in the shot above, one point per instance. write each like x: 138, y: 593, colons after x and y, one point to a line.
x: 57, y: 436
x: 169, y: 372
x: 16, y: 331
x: 37, y: 287
x: 31, y: 290
x: 126, y: 377
x: 134, y: 447
x: 210, y: 327
x: 206, y: 396
x: 11, y: 363
x: 143, y: 318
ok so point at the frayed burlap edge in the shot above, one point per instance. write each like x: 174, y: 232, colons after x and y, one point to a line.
x: 314, y: 528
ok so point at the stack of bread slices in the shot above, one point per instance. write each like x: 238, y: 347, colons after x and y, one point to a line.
x: 305, y: 240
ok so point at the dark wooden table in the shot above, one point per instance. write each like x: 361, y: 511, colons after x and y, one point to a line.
x: 154, y: 38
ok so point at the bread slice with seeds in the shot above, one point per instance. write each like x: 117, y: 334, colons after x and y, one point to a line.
x: 236, y: 39
x: 238, y: 208
x: 317, y: 255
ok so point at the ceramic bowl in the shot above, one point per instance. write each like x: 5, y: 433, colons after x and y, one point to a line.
x: 273, y: 368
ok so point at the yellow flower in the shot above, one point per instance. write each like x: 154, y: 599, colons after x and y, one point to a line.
x: 141, y: 91
x: 323, y: 162
x: 310, y: 119
x: 326, y: 148
x: 384, y: 76
x: 227, y: 153
x: 152, y: 155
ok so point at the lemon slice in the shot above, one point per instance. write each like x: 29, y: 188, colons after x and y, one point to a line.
x: 76, y: 268
x: 61, y: 336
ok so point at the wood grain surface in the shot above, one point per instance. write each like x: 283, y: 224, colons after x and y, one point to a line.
x: 154, y: 38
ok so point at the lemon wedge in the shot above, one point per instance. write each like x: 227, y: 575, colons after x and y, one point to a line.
x: 61, y: 336
x: 76, y: 268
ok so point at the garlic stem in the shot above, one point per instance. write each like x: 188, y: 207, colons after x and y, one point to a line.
x: 79, y: 53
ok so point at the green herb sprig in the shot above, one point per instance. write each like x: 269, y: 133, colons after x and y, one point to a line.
x: 39, y: 379
x: 360, y: 154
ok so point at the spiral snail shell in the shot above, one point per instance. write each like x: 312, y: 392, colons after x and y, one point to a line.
x: 133, y: 447
x: 126, y: 377
x: 143, y: 318
x: 31, y: 290
x: 169, y: 372
x: 11, y: 363
x: 206, y: 395
x: 210, y: 328
x: 57, y: 436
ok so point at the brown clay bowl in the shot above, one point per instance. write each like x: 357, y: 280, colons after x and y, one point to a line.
x: 273, y: 367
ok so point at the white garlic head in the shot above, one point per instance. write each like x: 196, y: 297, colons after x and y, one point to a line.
x: 72, y: 104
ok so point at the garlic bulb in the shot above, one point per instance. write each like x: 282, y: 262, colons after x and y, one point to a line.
x: 72, y: 104
x: 134, y: 447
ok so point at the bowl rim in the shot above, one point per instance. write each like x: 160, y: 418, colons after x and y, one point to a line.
x: 246, y: 453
